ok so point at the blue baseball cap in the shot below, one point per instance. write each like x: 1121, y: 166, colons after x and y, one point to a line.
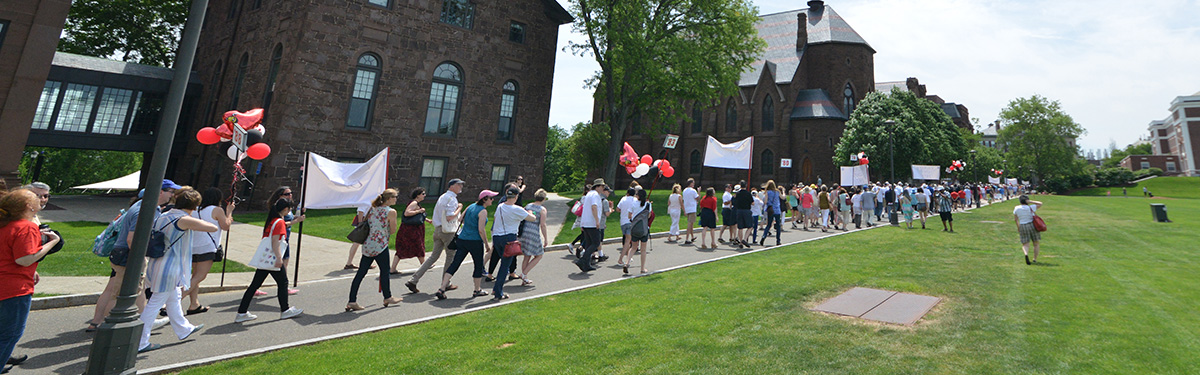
x: 168, y: 184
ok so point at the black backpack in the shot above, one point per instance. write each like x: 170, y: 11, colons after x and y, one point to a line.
x: 158, y: 241
x: 641, y: 223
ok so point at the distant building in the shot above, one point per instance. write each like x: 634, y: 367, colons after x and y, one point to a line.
x: 1168, y: 163
x: 1179, y: 134
x: 990, y: 134
x: 957, y: 112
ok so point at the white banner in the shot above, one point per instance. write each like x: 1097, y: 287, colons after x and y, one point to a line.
x: 855, y: 176
x: 735, y: 155
x: 994, y: 180
x: 926, y: 172
x: 1012, y: 181
x: 331, y: 184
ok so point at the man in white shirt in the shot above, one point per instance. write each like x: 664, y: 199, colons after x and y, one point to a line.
x: 627, y: 207
x: 690, y: 199
x: 593, y: 215
x: 445, y: 224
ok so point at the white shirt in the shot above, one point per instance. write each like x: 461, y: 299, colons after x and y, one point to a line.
x: 1024, y: 213
x: 446, y: 204
x: 756, y: 208
x: 689, y: 200
x: 856, y: 200
x: 204, y: 243
x: 727, y: 200
x: 508, y: 219
x: 673, y: 203
x: 591, y: 202
x: 628, y: 207
x: 879, y: 195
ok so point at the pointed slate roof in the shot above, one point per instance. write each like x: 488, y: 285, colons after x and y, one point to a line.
x: 951, y: 110
x: 779, y: 31
x: 815, y: 104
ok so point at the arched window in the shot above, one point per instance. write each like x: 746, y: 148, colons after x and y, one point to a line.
x: 237, y: 82
x: 768, y: 114
x: 508, y: 110
x: 362, y: 97
x: 697, y: 120
x: 695, y: 163
x: 848, y: 103
x: 269, y: 93
x: 768, y: 162
x: 442, y: 116
x: 730, y: 118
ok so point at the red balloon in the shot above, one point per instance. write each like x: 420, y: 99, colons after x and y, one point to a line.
x: 646, y: 159
x: 862, y: 161
x: 208, y: 136
x: 665, y: 165
x: 259, y: 151
x: 668, y: 171
x: 225, y: 132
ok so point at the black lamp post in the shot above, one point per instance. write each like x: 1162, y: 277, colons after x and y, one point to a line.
x: 974, y: 171
x: 893, y: 219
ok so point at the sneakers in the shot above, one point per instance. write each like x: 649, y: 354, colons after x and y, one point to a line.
x: 194, y: 330
x: 291, y: 312
x: 244, y: 317
x: 159, y: 323
x: 260, y: 293
x: 293, y: 291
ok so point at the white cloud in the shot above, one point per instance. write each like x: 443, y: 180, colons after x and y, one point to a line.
x: 1114, y: 65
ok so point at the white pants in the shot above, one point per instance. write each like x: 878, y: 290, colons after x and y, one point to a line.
x: 825, y: 217
x: 674, y: 221
x: 179, y: 323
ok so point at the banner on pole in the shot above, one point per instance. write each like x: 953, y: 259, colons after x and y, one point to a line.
x: 1012, y: 181
x: 343, y: 185
x: 855, y: 176
x: 926, y: 172
x: 671, y: 141
x: 735, y: 155
x: 1024, y: 182
x: 994, y: 180
x: 785, y: 163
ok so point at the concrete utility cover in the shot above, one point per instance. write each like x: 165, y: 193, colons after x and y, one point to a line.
x: 880, y: 305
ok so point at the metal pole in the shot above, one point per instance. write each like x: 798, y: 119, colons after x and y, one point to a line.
x: 114, y: 349
x: 300, y: 234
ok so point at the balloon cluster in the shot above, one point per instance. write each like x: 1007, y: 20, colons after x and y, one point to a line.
x: 861, y: 158
x: 998, y: 171
x: 638, y: 167
x: 251, y: 122
x: 955, y: 166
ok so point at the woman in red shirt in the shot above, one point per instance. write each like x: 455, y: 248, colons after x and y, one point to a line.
x: 20, y: 249
x: 708, y: 218
x: 276, y: 230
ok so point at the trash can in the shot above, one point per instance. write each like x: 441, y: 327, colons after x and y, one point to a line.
x: 1159, y: 211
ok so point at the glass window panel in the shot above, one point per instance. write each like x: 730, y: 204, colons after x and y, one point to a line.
x: 382, y: 3
x: 510, y: 86
x: 768, y: 115
x: 696, y: 163
x: 516, y: 32
x: 114, y: 110
x: 448, y: 71
x: 768, y: 162
x: 364, y: 84
x: 441, y: 116
x: 458, y: 12
x: 358, y: 113
x: 432, y: 173
x: 146, y: 113
x: 76, y: 108
x: 730, y: 119
x: 432, y: 118
x: 507, y: 104
x: 504, y: 129
x: 369, y: 60
x: 45, y: 108
x: 499, y: 178
x: 697, y: 120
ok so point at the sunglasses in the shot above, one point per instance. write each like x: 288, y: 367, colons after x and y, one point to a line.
x: 286, y: 194
x: 44, y: 196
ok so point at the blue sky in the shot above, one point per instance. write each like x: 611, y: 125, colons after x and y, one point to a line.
x: 1114, y: 65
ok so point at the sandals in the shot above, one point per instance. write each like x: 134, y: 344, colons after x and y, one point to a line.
x: 502, y: 296
x: 353, y: 307
x: 526, y: 282
x: 198, y: 310
x: 92, y: 327
x: 452, y: 287
x: 479, y: 293
x: 440, y: 294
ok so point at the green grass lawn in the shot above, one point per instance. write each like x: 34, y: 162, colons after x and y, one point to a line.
x: 76, y: 258
x: 1114, y: 293
x: 1169, y: 187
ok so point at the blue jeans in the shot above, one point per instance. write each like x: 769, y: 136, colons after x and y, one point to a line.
x: 772, y: 219
x: 13, y: 313
x: 506, y: 263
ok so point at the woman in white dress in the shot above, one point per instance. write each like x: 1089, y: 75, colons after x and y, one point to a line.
x: 675, y: 209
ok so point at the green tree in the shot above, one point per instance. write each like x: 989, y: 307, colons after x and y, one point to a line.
x: 1035, y: 133
x: 140, y: 31
x: 981, y: 163
x: 1114, y: 159
x: 923, y: 134
x: 63, y: 168
x: 657, y: 55
x: 557, y: 166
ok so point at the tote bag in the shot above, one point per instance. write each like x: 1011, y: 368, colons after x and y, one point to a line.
x: 1038, y: 224
x: 264, y: 257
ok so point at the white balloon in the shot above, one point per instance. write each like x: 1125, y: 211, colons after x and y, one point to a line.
x: 642, y: 169
x: 657, y: 162
x: 638, y: 174
x: 261, y: 129
x: 232, y: 153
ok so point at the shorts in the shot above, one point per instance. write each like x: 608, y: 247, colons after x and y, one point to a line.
x: 745, y: 219
x: 206, y: 257
x: 708, y: 219
x: 119, y: 256
x: 625, y: 229
x: 727, y: 217
x: 1028, y: 233
x: 946, y: 216
x: 921, y: 207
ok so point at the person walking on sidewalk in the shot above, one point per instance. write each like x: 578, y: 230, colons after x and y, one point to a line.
x: 21, y: 247
x: 360, y: 214
x: 823, y: 202
x: 708, y: 219
x: 470, y: 242
x: 445, y: 224
x: 675, y: 210
x: 593, y: 217
x: 534, y: 237
x: 626, y: 208
x: 204, y: 245
x: 1023, y: 215
x: 944, y: 206
x: 868, y: 205
x: 638, y: 237
x: 289, y: 219
x: 843, y: 207
x: 906, y: 207
x: 773, y: 212
x: 728, y: 219
x: 691, y: 198
x: 167, y: 274
x: 505, y: 228
x: 410, y: 238
x: 743, y: 204
x: 382, y: 220
x: 275, y: 229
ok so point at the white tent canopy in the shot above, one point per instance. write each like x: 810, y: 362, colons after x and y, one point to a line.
x: 126, y: 183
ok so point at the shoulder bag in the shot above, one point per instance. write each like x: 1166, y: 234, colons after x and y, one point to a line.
x: 264, y: 257
x: 1038, y: 224
x: 418, y: 219
x: 512, y: 248
x: 361, y: 231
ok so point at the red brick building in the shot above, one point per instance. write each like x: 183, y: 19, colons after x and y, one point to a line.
x: 794, y: 101
x: 1168, y: 163
x: 1179, y: 134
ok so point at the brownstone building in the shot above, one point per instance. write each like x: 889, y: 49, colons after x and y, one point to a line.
x: 958, y: 113
x: 1179, y: 134
x: 1168, y: 163
x: 794, y: 101
x: 456, y: 88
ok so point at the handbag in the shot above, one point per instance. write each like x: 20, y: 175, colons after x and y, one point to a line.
x: 264, y: 256
x: 361, y: 231
x: 1038, y: 224
x: 512, y: 248
x: 418, y: 219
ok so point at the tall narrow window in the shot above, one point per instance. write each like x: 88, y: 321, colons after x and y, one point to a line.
x: 237, y: 82
x: 848, y: 105
x: 433, y: 171
x: 516, y: 32
x: 730, y: 119
x: 3, y: 31
x: 459, y: 13
x: 768, y: 162
x: 441, y: 118
x: 499, y: 178
x: 768, y: 115
x: 508, y: 111
x: 697, y: 120
x: 362, y: 99
x: 113, y: 112
x: 695, y: 163
x: 382, y: 3
x: 272, y: 75
x: 45, y: 108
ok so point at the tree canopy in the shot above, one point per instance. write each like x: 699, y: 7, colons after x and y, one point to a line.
x: 657, y: 55
x: 923, y: 134
x: 140, y: 31
x: 1114, y: 159
x: 1036, y: 132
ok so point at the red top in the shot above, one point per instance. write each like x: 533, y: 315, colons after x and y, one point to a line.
x: 280, y: 228
x: 955, y: 195
x: 709, y: 203
x: 18, y: 239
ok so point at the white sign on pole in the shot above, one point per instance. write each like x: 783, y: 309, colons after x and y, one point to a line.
x: 855, y: 176
x: 239, y: 138
x: 994, y: 180
x: 785, y: 163
x: 671, y: 141
x: 926, y: 172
